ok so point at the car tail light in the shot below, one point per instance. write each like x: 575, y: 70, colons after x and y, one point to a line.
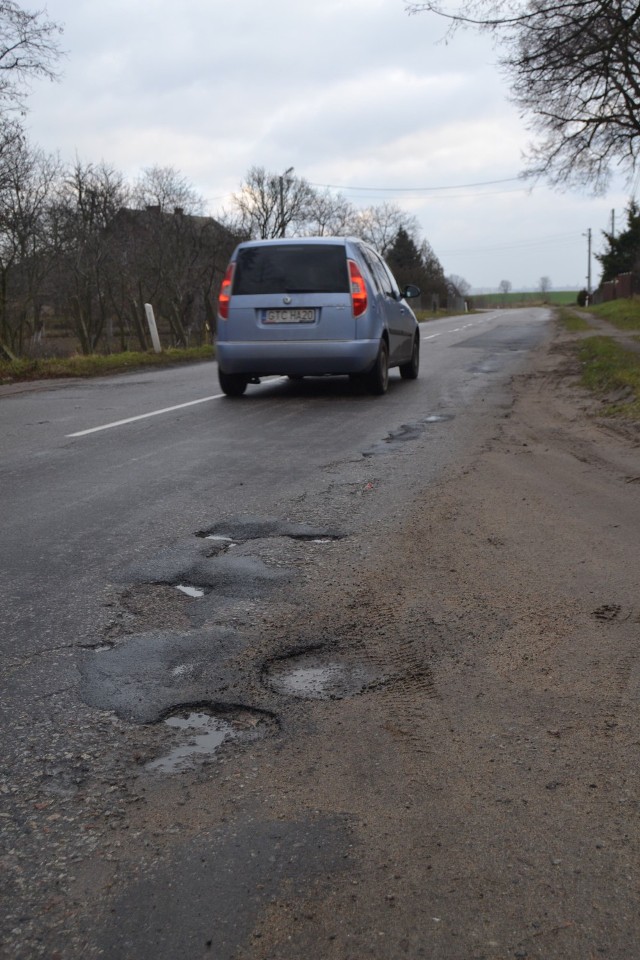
x: 225, y: 293
x: 358, y: 289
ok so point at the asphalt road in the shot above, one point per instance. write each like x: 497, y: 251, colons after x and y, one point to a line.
x: 99, y: 477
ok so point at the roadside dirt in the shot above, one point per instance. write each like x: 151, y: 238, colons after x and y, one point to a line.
x: 490, y: 785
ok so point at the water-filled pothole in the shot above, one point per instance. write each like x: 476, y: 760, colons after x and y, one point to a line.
x: 202, y: 734
x: 220, y: 543
x: 438, y: 418
x: 195, y: 593
x: 231, y: 532
x: 314, y: 677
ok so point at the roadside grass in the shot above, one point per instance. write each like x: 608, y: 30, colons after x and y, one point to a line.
x: 15, y: 371
x: 611, y: 371
x: 623, y: 314
x: 572, y: 321
x: 423, y: 316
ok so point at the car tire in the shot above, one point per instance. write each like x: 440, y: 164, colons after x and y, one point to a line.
x: 409, y: 371
x: 377, y: 380
x: 232, y: 384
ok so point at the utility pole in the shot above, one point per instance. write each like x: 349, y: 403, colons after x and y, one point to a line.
x: 613, y: 223
x: 588, y: 264
x: 282, y: 179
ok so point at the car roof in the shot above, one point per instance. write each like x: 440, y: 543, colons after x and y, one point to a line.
x: 319, y: 241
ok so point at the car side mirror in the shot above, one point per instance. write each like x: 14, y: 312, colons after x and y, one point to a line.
x: 411, y: 291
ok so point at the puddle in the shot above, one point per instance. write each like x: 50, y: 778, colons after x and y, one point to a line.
x: 201, y: 736
x: 227, y: 542
x: 312, y: 678
x: 195, y: 592
x: 323, y: 540
x: 439, y: 418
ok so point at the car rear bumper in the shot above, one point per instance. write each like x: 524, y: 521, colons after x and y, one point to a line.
x: 296, y: 358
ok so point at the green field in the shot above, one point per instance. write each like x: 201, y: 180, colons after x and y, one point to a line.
x: 514, y: 299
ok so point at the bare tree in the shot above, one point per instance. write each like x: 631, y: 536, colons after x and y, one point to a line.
x: 167, y: 189
x: 505, y: 287
x: 28, y: 51
x: 574, y: 69
x: 459, y: 284
x: 271, y: 205
x: 27, y: 244
x: 89, y: 198
x: 330, y: 215
x: 173, y: 260
x: 544, y: 285
x: 379, y: 226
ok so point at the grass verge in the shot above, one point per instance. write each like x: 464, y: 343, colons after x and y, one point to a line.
x: 623, y: 314
x: 572, y: 321
x: 611, y: 371
x: 15, y: 371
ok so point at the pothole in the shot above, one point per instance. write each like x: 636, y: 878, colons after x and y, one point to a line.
x: 314, y: 677
x: 218, y: 543
x: 202, y: 733
x: 406, y: 432
x: 240, y: 529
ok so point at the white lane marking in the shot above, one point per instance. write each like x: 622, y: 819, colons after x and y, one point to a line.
x: 457, y: 329
x: 155, y: 413
x: 144, y: 416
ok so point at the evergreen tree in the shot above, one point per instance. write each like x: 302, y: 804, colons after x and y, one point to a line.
x: 623, y: 255
x: 419, y: 265
x: 405, y: 259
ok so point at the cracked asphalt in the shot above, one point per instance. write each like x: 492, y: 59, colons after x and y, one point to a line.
x: 419, y: 616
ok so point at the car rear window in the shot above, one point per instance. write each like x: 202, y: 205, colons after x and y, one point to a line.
x: 291, y: 268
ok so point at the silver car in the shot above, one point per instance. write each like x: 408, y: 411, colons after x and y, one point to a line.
x: 310, y: 307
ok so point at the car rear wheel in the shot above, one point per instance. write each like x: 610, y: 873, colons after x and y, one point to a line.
x: 409, y: 371
x: 232, y: 384
x: 377, y: 379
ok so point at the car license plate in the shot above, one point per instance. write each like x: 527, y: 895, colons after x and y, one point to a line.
x: 292, y: 315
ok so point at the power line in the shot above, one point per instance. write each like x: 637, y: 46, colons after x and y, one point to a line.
x: 550, y: 239
x: 452, y: 196
x: 456, y: 186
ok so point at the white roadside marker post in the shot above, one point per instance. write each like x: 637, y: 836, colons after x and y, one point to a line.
x: 153, y: 329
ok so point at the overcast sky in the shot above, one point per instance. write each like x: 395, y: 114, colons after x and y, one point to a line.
x: 354, y: 94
